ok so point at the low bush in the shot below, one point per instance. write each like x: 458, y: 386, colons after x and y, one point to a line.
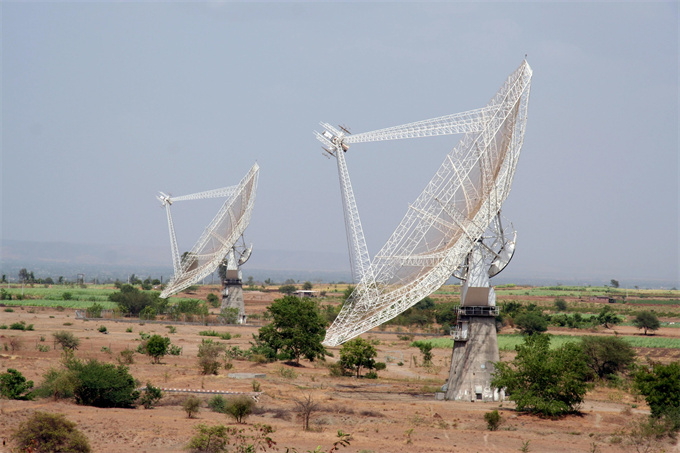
x: 57, y: 384
x: 14, y: 386
x: 66, y: 340
x: 493, y: 420
x: 103, y: 384
x: 192, y: 406
x: 150, y: 396
x: 218, y: 403
x: 239, y: 408
x: 208, y: 356
x: 47, y: 433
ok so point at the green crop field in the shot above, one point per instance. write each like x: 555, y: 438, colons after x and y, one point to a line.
x: 508, y: 342
x: 78, y: 304
x: 56, y: 292
x: 653, y: 302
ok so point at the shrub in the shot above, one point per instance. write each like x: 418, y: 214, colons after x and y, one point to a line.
x: 132, y: 300
x: 210, y: 439
x: 192, y: 406
x: 66, y: 340
x: 103, y: 329
x: 175, y: 350
x: 560, y: 304
x: 426, y: 350
x: 46, y: 433
x: 607, y: 317
x: 379, y: 366
x: 67, y: 296
x: 57, y: 384
x: 660, y: 386
x: 14, y: 386
x: 208, y: 356
x: 95, y: 311
x: 218, y: 403
x: 150, y: 396
x: 21, y: 325
x: 530, y: 322
x: 213, y: 300
x: 157, y: 347
x: 493, y: 420
x: 103, y: 384
x: 357, y: 354
x: 239, y: 408
x: 126, y: 357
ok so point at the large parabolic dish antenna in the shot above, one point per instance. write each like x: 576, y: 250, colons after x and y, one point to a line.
x: 450, y: 216
x: 219, y: 236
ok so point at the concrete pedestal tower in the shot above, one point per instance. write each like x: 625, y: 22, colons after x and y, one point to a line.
x: 232, y: 289
x: 475, y: 347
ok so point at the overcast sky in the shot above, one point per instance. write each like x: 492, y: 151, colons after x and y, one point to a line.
x: 104, y: 104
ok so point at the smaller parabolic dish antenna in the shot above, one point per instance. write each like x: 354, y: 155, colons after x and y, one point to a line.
x: 457, y: 213
x: 220, y: 236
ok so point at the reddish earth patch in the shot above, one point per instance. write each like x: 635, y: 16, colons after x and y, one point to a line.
x: 396, y: 413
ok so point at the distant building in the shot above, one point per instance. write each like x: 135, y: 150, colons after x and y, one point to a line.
x: 306, y: 293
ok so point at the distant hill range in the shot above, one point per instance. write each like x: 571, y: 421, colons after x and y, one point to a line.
x: 111, y: 262
x: 117, y: 262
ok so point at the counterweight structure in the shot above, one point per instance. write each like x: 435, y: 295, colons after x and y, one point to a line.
x: 449, y: 218
x: 219, y: 240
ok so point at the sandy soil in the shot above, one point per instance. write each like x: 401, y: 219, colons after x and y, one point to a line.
x: 396, y: 413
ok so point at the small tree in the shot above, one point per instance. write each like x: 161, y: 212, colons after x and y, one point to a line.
x: 544, y: 381
x: 560, y: 304
x: 14, y: 386
x: 608, y: 318
x: 305, y: 407
x: 661, y: 387
x: 157, y: 347
x: 239, y: 408
x: 192, y: 406
x: 296, y: 330
x: 614, y: 283
x: 606, y: 356
x: 646, y: 320
x: 426, y: 351
x: 357, y: 354
x: 46, y: 433
x: 287, y: 289
x: 132, y: 300
x: 530, y: 323
x: 209, y: 356
x: 347, y: 293
x: 307, y: 286
x: 66, y: 340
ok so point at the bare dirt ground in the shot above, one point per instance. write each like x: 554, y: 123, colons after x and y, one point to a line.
x: 396, y: 413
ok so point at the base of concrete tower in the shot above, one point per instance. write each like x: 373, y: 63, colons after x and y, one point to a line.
x: 472, y: 362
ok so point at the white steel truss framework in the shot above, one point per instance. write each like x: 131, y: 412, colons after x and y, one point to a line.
x: 219, y: 236
x: 443, y: 224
